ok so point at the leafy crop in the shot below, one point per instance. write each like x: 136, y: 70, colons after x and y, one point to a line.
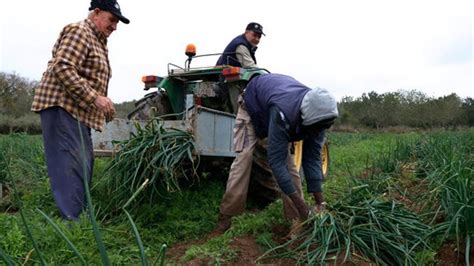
x: 359, y: 224
x: 151, y: 162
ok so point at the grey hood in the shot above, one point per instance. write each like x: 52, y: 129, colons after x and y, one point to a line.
x: 318, y: 105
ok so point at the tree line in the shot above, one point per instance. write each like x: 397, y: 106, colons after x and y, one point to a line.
x: 16, y: 96
x: 412, y: 109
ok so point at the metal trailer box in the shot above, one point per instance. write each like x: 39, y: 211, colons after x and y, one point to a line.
x: 212, y: 130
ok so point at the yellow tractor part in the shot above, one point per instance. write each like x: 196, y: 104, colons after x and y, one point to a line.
x: 324, y: 157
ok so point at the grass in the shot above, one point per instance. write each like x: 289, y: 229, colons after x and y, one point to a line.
x: 255, y: 224
x: 444, y: 159
x: 22, y: 155
x: 354, y: 154
x: 378, y: 159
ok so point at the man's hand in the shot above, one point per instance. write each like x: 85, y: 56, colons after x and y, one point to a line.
x: 319, y: 207
x: 320, y: 203
x: 106, y: 106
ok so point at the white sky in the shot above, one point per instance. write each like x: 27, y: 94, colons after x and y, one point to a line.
x: 348, y: 47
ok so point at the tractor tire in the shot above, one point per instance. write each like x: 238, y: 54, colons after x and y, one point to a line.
x: 325, y: 158
x: 263, y: 188
x: 151, y: 105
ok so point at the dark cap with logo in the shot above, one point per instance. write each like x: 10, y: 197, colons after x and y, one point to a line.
x: 109, y: 5
x: 255, y: 27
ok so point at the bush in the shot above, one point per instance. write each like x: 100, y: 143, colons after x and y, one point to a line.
x: 28, y: 123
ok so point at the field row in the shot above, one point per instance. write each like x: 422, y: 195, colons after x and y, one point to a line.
x: 392, y: 199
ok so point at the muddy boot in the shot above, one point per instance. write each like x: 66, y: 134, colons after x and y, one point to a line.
x: 296, y: 227
x: 223, y: 223
x: 300, y: 205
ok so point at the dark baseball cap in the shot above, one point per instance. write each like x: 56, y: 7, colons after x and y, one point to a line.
x: 109, y: 5
x: 255, y: 27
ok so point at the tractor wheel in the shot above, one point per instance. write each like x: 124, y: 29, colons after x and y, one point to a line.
x: 263, y: 188
x: 324, y: 157
x: 152, y: 105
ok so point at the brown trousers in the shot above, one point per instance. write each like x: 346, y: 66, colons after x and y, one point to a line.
x: 235, y: 197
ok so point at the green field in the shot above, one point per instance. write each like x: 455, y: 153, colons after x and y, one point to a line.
x: 427, y: 177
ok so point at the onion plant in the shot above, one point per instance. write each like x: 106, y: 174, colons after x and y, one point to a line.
x: 447, y: 162
x: 34, y: 242
x: 6, y: 161
x: 361, y: 226
x: 154, y: 153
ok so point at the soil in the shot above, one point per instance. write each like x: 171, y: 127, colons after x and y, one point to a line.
x: 6, y: 205
x: 177, y: 251
x: 4, y: 191
x: 449, y: 254
x: 247, y: 249
x: 248, y: 252
x: 280, y: 233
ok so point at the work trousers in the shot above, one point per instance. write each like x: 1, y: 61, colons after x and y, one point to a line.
x: 69, y: 162
x: 245, y: 141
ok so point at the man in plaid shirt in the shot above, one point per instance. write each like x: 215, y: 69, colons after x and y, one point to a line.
x: 72, y: 98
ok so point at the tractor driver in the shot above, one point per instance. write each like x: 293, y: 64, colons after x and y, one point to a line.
x: 240, y: 52
x: 267, y: 112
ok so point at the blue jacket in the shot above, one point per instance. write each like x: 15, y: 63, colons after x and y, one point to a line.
x: 278, y: 138
x: 273, y: 102
x: 282, y: 91
x: 229, y: 57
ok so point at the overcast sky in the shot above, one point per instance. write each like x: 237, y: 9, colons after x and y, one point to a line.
x: 348, y: 47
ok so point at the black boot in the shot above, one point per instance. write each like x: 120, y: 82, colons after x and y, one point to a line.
x: 223, y: 222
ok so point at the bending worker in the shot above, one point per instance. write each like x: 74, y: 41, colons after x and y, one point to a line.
x: 279, y: 108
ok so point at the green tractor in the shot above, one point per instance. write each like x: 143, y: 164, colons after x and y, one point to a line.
x: 203, y: 101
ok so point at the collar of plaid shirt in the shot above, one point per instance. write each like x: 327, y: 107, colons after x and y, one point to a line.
x: 102, y: 38
x: 78, y: 72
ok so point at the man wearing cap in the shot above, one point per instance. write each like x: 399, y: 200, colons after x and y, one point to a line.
x: 240, y: 51
x: 71, y: 98
x: 280, y: 108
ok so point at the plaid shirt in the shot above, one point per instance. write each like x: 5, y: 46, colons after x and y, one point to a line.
x: 78, y: 72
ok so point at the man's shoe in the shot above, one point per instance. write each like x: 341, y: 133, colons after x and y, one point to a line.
x: 296, y: 228
x: 224, y: 222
